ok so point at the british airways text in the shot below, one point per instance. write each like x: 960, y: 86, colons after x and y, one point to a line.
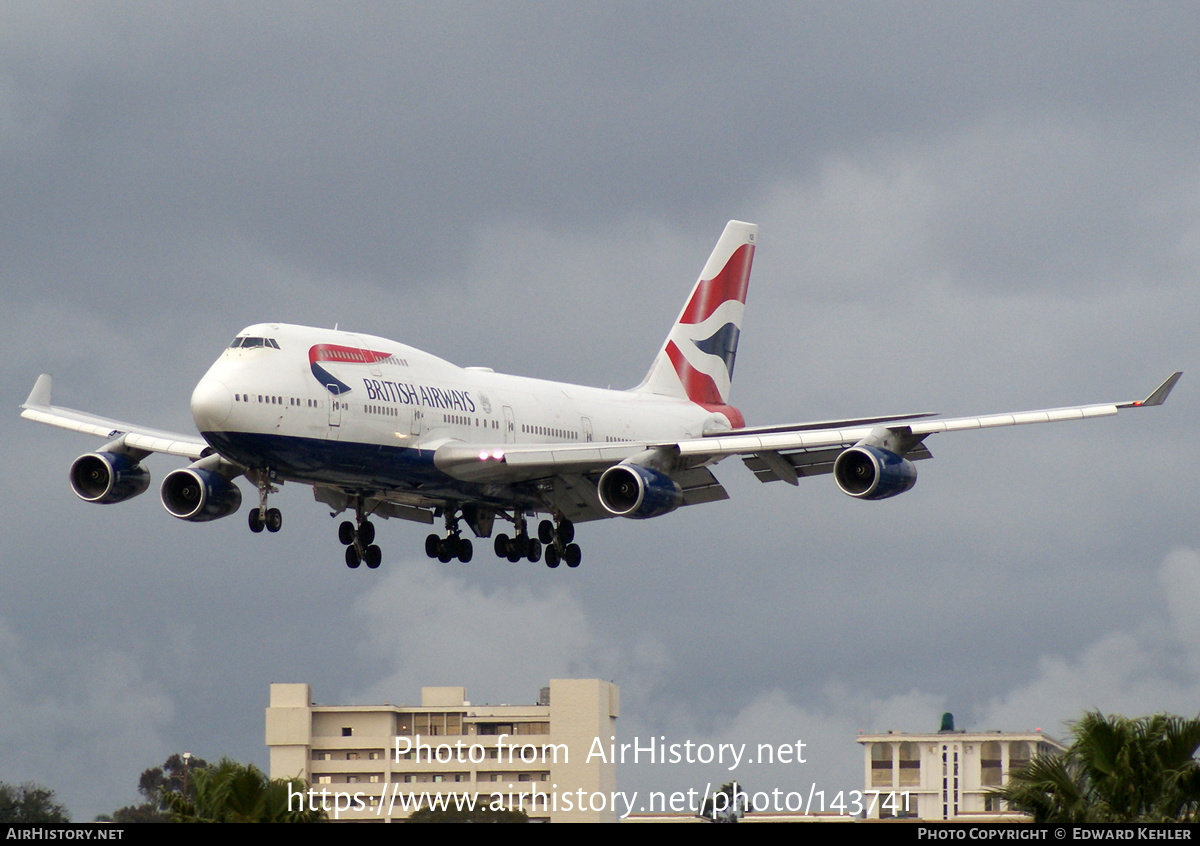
x: 406, y: 393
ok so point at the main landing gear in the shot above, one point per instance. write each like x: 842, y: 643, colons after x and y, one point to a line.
x: 454, y: 545
x: 360, y: 541
x: 556, y: 540
x: 262, y: 517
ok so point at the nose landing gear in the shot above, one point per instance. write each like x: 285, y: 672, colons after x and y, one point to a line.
x: 262, y: 517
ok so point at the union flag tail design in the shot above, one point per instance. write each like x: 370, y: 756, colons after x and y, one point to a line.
x: 696, y: 360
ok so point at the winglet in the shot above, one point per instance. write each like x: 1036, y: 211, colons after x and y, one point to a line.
x: 1160, y: 393
x: 40, y: 395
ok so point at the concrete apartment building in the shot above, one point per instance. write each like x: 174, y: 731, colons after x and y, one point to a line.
x: 372, y: 759
x: 947, y: 775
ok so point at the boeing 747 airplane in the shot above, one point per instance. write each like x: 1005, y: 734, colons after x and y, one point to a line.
x: 380, y: 429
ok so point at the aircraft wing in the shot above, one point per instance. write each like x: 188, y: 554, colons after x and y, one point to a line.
x: 772, y: 453
x: 38, y: 408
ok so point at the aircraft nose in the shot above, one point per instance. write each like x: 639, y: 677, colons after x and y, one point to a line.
x: 212, y: 403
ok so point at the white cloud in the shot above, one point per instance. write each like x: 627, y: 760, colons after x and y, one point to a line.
x: 427, y: 625
x: 1149, y: 669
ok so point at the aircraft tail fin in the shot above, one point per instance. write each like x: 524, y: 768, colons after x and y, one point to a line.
x: 696, y: 360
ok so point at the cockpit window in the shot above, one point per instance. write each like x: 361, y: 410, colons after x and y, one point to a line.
x: 245, y: 343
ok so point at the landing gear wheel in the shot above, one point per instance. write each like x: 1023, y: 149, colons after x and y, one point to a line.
x: 353, y: 559
x: 274, y: 520
x: 501, y: 546
x: 572, y: 555
x: 534, y: 550
x: 566, y: 532
x: 431, y: 545
x: 366, y: 533
x: 445, y: 551
x: 372, y: 556
x: 546, y: 532
x: 551, y: 557
x: 515, y: 550
x: 346, y: 533
x: 465, y: 550
x: 256, y: 523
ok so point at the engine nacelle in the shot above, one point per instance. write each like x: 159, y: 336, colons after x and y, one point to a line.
x: 637, y: 492
x: 108, y: 477
x: 199, y: 495
x: 868, y: 472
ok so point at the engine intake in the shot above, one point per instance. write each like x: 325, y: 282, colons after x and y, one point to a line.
x: 868, y: 472
x: 108, y: 477
x: 637, y: 492
x: 199, y: 495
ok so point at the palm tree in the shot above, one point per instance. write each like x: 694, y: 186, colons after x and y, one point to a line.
x: 1117, y: 769
x: 230, y: 792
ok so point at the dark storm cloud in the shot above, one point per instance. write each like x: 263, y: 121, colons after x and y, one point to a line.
x: 350, y: 139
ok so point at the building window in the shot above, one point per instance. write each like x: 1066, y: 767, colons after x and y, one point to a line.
x: 531, y: 728
x: 347, y: 731
x: 881, y: 765
x: 910, y: 764
x: 1018, y: 754
x: 989, y: 763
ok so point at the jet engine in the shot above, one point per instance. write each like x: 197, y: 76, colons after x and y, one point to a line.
x: 108, y: 477
x: 199, y: 495
x: 868, y: 472
x: 637, y: 492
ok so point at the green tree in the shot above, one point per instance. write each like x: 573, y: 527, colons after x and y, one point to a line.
x: 231, y: 792
x: 154, y: 784
x: 30, y: 803
x: 727, y: 805
x: 1116, y: 769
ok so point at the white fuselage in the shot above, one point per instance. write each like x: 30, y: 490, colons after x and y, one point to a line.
x: 333, y: 407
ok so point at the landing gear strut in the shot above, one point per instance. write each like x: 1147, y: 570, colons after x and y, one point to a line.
x: 262, y: 517
x: 360, y: 540
x: 453, y: 545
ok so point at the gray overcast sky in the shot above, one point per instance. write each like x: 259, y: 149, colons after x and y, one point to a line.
x: 964, y: 208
